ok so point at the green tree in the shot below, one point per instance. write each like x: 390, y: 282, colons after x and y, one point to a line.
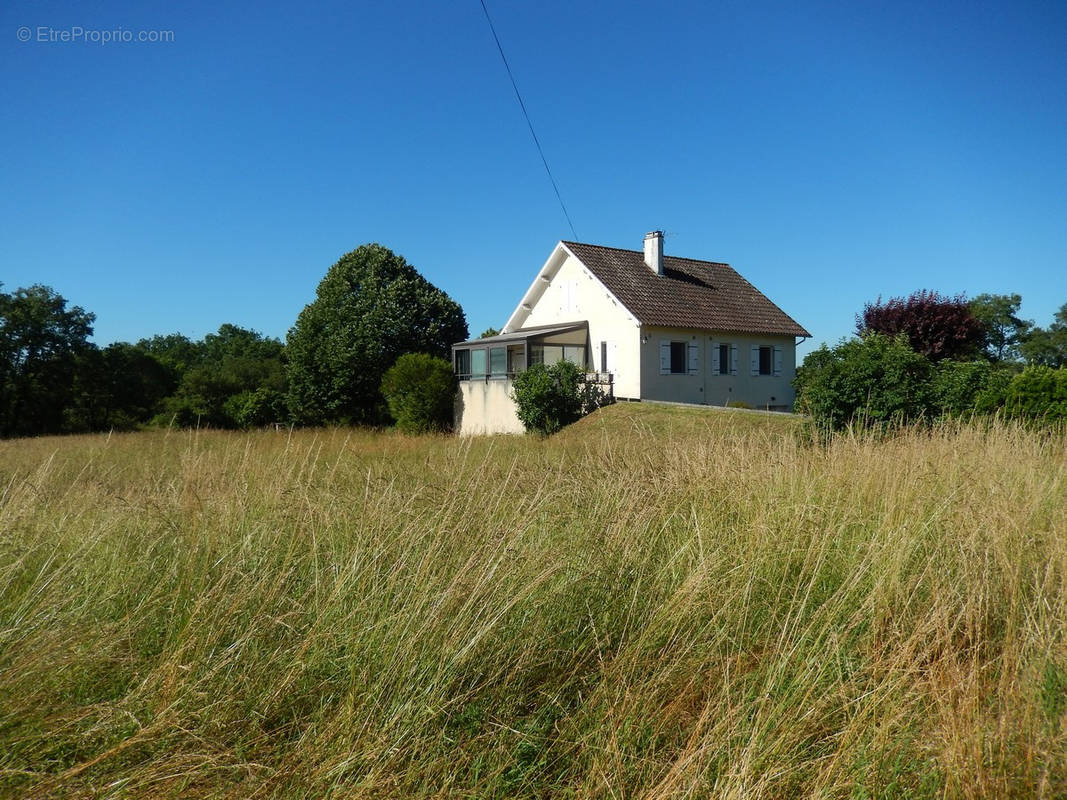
x: 371, y: 308
x: 421, y: 392
x: 489, y: 332
x: 117, y: 387
x: 1004, y: 330
x: 872, y: 378
x: 1048, y: 346
x: 40, y: 340
x: 227, y: 370
x: 175, y: 350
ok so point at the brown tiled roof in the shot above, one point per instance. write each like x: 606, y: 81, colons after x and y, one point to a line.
x: 690, y: 294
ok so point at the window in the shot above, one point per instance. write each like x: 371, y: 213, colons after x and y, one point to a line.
x: 549, y: 354
x: 724, y: 359
x: 607, y: 356
x: 463, y: 363
x: 516, y: 359
x: 478, y: 362
x: 498, y: 361
x: 678, y: 358
x: 568, y: 297
x: 575, y: 353
x: 765, y: 360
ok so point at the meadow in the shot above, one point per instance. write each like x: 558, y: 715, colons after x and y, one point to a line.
x: 657, y: 602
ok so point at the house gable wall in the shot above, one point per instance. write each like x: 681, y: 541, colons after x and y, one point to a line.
x: 573, y: 294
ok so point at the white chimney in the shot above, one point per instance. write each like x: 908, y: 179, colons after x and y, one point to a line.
x: 654, y: 251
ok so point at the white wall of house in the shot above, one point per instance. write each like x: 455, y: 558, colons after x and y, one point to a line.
x: 573, y: 295
x: 485, y: 407
x: 702, y: 382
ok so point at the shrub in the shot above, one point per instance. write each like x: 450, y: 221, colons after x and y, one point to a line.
x: 548, y: 398
x: 421, y: 392
x: 974, y: 387
x: 873, y: 378
x: 1038, y: 392
x: 252, y: 409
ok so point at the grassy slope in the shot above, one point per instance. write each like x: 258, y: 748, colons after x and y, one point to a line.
x: 657, y: 602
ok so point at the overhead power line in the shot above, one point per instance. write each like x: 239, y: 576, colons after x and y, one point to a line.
x: 522, y: 105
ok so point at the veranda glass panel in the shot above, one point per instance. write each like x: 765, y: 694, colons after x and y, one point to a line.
x: 575, y: 353
x: 478, y: 362
x: 498, y: 361
x: 552, y: 354
x: 463, y: 362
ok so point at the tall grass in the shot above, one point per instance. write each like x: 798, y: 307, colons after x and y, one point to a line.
x: 655, y: 603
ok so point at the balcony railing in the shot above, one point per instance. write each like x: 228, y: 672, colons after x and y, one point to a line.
x: 603, y: 379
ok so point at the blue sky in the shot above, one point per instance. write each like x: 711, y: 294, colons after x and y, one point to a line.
x: 831, y: 152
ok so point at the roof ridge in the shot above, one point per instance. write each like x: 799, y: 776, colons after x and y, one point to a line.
x: 641, y: 253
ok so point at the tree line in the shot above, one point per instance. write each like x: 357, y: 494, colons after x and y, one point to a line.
x: 929, y: 356
x: 371, y: 308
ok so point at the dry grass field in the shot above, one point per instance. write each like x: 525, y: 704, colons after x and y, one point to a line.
x: 659, y: 602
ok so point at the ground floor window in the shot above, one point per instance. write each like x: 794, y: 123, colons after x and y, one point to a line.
x: 724, y: 359
x: 766, y: 361
x: 678, y: 358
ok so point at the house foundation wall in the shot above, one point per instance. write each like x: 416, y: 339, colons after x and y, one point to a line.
x: 484, y: 407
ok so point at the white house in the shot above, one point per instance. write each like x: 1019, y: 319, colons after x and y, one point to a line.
x: 660, y: 327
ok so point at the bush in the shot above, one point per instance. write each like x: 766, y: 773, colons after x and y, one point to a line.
x: 873, y: 378
x: 1038, y: 392
x: 249, y: 409
x: 421, y: 392
x: 975, y: 387
x: 548, y: 398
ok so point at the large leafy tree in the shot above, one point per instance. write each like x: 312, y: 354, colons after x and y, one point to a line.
x: 40, y: 340
x: 371, y: 308
x: 1048, y: 346
x: 935, y: 326
x: 1004, y: 330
